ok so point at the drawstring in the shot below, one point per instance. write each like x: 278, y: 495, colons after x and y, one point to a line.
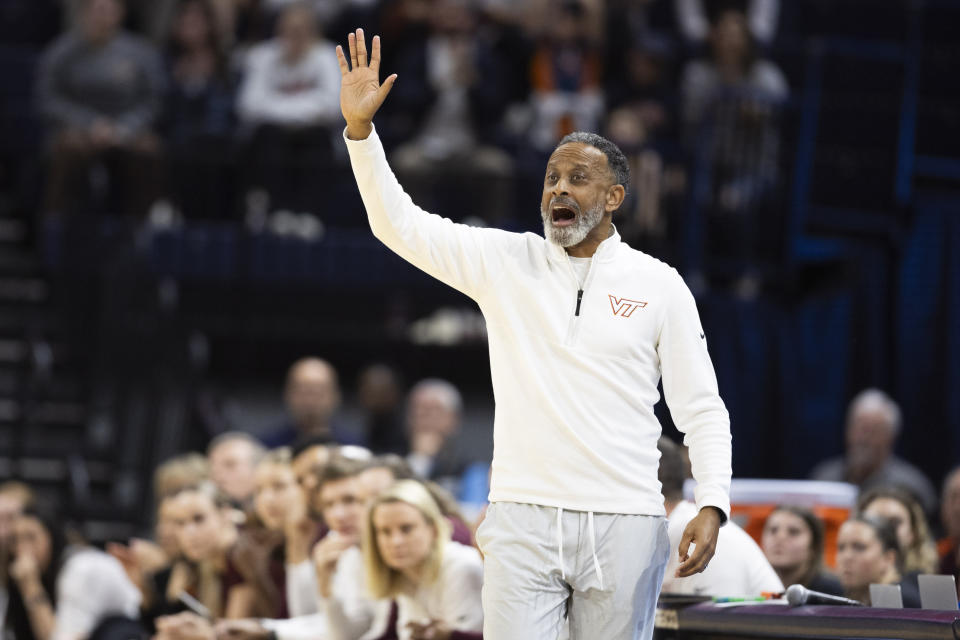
x: 560, y: 541
x: 593, y: 543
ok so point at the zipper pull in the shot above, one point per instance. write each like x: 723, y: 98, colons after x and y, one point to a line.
x: 579, y: 298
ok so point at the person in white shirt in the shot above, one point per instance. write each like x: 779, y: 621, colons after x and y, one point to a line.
x: 740, y: 569
x: 65, y: 593
x: 581, y: 329
x: 408, y: 556
x: 288, y: 102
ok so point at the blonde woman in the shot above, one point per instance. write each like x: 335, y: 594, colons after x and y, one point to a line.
x: 409, y: 557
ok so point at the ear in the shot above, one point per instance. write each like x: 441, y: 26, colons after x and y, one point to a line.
x: 615, y: 196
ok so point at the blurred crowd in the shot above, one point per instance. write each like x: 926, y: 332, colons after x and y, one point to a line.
x: 229, y: 108
x: 313, y: 530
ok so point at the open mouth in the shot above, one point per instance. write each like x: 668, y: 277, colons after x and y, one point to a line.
x: 562, y: 215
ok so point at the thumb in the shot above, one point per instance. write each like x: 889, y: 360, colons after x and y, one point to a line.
x: 385, y: 89
x: 685, y: 541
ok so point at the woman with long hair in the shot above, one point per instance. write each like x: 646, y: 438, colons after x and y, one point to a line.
x: 868, y: 553
x: 408, y: 556
x: 907, y: 517
x: 58, y: 591
x: 204, y: 525
x: 793, y: 543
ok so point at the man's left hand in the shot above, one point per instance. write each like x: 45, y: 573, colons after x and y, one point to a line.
x: 702, y: 532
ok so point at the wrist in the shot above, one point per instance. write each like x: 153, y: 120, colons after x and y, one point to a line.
x: 359, y: 130
x: 715, y: 511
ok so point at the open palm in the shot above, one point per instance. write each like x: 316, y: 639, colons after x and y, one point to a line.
x: 361, y: 93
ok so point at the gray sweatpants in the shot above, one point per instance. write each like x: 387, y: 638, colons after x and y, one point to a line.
x: 546, y: 568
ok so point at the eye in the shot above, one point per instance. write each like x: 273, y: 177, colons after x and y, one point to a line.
x: 551, y: 177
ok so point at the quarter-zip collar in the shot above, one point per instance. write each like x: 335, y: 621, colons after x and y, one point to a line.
x: 606, y: 251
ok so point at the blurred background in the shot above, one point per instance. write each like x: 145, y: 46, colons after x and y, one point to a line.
x: 179, y: 224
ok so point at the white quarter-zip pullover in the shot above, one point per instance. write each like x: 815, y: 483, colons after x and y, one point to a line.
x: 574, y: 367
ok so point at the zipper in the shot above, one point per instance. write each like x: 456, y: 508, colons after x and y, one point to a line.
x: 579, y: 298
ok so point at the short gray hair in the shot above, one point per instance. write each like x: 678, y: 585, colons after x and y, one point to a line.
x: 448, y: 394
x: 875, y: 399
x: 615, y: 159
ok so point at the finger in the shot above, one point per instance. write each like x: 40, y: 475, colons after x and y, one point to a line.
x: 342, y: 61
x: 697, y: 562
x: 684, y: 547
x: 352, y: 42
x: 361, y: 48
x: 385, y: 89
x: 375, y: 55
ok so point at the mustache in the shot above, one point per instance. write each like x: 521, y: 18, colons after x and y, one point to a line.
x: 560, y: 201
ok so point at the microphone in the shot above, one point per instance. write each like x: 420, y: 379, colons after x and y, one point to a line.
x: 798, y: 595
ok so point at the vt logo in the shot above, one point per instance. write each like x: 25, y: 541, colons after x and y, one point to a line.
x: 623, y: 307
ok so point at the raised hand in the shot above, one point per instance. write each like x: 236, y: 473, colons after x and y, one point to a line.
x: 361, y: 93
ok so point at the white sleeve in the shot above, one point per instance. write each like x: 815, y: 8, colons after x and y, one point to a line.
x: 690, y: 389
x: 253, y: 101
x: 350, y: 611
x: 461, y: 582
x: 466, y: 258
x: 311, y: 627
x: 760, y: 575
x: 301, y: 589
x: 91, y: 586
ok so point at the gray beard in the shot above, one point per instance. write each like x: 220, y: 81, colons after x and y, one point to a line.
x: 575, y: 233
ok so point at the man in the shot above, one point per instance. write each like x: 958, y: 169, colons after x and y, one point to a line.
x: 433, y: 418
x: 100, y: 89
x: 873, y: 424
x: 581, y: 329
x: 233, y: 457
x: 312, y: 397
x: 739, y: 570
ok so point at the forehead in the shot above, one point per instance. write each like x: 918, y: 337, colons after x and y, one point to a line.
x: 273, y: 472
x: 577, y: 154
x: 786, y: 519
x: 857, y: 531
x: 887, y: 505
x: 334, y: 488
x: 393, y: 513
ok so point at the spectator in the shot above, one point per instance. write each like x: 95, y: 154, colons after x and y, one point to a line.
x: 461, y: 95
x: 58, y: 593
x: 565, y: 75
x: 312, y: 397
x: 383, y: 471
x: 380, y: 395
x: 233, y: 458
x: 761, y: 17
x: 142, y: 559
x: 309, y: 459
x: 100, y: 89
x: 434, y: 409
x: 739, y: 569
x: 281, y: 506
x: 409, y: 556
x: 289, y: 98
x: 336, y: 566
x: 177, y: 473
x: 902, y: 511
x: 207, y: 539
x: 868, y: 553
x: 873, y: 425
x: 15, y: 497
x: 198, y: 112
x: 793, y: 544
x: 949, y: 546
x: 730, y: 105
